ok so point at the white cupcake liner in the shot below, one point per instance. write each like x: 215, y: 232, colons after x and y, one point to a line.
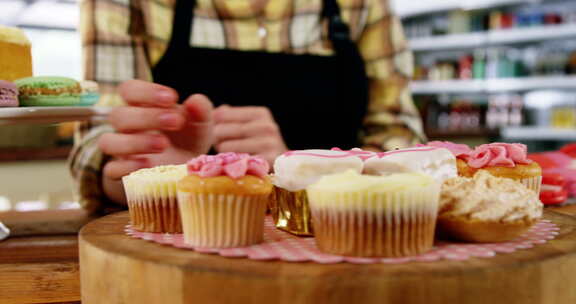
x: 532, y: 183
x: 369, y: 224
x: 155, y: 214
x: 222, y: 221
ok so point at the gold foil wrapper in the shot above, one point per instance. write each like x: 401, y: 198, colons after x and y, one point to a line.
x: 291, y: 212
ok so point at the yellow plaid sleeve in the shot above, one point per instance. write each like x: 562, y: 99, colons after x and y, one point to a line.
x: 114, y: 43
x: 392, y: 120
x: 113, y: 51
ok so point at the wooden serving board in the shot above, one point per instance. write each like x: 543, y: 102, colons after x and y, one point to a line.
x: 116, y: 268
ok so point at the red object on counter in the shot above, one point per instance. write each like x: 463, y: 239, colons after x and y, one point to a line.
x: 548, y: 197
x: 570, y: 150
x: 553, y: 189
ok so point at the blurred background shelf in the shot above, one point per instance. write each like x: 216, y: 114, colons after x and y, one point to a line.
x: 494, y: 85
x: 18, y: 154
x: 538, y: 133
x: 452, y: 134
x: 493, y: 38
x: 407, y: 9
x: 494, y: 70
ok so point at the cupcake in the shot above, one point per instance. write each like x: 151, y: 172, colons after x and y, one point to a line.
x: 151, y: 195
x: 504, y: 160
x: 486, y: 208
x: 223, y: 200
x: 374, y: 216
x: 439, y: 163
x: 296, y: 170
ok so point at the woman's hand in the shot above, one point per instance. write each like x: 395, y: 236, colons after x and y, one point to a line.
x: 153, y: 130
x: 247, y: 129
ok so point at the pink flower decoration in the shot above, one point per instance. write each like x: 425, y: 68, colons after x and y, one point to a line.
x: 498, y: 154
x: 234, y: 165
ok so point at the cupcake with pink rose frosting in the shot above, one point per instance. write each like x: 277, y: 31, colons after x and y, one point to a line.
x: 503, y: 160
x: 223, y: 200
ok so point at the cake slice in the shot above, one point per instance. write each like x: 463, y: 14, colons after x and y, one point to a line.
x: 15, y: 54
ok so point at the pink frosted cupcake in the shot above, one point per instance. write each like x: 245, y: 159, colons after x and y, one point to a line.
x: 499, y: 159
x: 223, y: 200
x: 504, y: 160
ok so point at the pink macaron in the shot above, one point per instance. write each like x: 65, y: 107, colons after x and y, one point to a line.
x: 8, y: 94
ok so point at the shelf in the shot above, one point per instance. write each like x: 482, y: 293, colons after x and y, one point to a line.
x: 19, y: 154
x: 444, y: 134
x: 538, y: 133
x: 407, y: 9
x: 493, y: 85
x: 493, y: 38
x: 17, y: 115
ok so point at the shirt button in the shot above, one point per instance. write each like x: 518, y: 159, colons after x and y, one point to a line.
x: 262, y: 32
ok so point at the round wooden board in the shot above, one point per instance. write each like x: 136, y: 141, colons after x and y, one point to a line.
x: 116, y: 268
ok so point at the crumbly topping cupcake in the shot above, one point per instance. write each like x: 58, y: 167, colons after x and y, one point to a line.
x: 223, y: 200
x: 152, y: 198
x: 374, y: 216
x: 486, y: 208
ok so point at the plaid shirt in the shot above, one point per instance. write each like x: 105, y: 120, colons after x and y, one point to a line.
x: 124, y: 39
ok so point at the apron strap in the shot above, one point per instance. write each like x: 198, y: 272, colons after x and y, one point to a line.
x: 338, y: 30
x: 182, y: 24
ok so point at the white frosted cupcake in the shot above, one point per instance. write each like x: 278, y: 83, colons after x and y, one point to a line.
x: 439, y: 163
x: 293, y: 172
x: 223, y: 200
x: 152, y: 198
x: 384, y: 216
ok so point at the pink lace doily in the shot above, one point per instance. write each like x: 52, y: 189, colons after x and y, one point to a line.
x: 279, y: 245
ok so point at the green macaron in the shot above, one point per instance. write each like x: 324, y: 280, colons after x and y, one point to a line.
x: 48, y: 91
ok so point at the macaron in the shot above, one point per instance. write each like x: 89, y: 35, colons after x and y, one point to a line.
x: 8, y: 94
x: 90, y: 94
x: 553, y: 189
x: 48, y: 91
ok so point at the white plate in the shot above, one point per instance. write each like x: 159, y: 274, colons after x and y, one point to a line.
x: 51, y: 114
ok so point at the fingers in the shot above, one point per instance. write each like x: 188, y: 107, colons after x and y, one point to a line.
x: 227, y: 114
x: 199, y: 109
x: 227, y: 131
x: 133, y: 119
x: 119, y: 145
x: 118, y: 168
x: 147, y: 94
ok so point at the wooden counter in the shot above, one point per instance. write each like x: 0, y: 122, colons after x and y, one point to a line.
x: 44, y: 269
x: 40, y: 263
x: 116, y: 268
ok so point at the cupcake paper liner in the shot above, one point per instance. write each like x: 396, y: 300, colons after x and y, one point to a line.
x: 291, y: 212
x: 152, y: 200
x: 532, y: 183
x: 222, y: 220
x: 152, y: 214
x: 377, y: 225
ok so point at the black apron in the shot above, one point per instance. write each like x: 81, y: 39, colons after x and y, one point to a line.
x: 318, y: 101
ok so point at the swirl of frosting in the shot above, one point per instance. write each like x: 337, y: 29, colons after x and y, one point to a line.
x: 498, y: 154
x: 459, y: 150
x: 234, y: 165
